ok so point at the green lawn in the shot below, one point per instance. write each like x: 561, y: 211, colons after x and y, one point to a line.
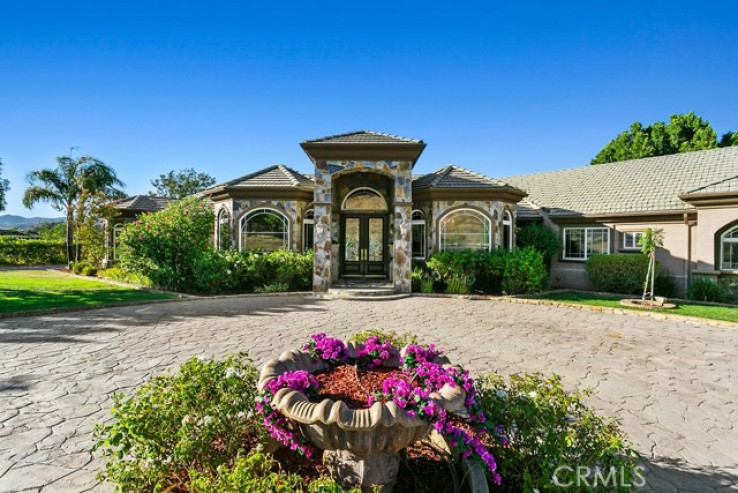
x: 31, y: 290
x: 728, y: 314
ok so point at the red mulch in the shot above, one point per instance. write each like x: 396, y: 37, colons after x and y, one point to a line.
x: 341, y: 383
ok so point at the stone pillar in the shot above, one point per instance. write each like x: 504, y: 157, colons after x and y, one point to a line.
x: 322, y: 237
x: 401, y: 254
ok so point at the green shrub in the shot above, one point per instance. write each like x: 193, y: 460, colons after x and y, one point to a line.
x: 549, y: 427
x: 541, y: 239
x: 275, y: 287
x: 23, y: 251
x: 257, y: 473
x: 513, y: 272
x: 665, y: 285
x: 166, y: 246
x: 458, y: 284
x: 84, y: 268
x: 396, y: 339
x: 426, y: 284
x: 196, y: 420
x: 121, y: 275
x: 622, y: 273
x: 525, y: 272
x: 702, y: 289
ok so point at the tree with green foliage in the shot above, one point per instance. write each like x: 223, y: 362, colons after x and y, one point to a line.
x: 650, y: 241
x: 4, y: 187
x: 180, y: 184
x: 541, y: 238
x: 68, y: 186
x: 683, y: 133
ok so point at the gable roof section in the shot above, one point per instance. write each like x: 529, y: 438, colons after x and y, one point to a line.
x: 636, y: 186
x: 364, y: 137
x: 143, y: 203
x: 453, y: 176
x: 277, y: 175
x: 728, y: 185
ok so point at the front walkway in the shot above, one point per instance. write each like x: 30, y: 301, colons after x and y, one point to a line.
x: 672, y: 385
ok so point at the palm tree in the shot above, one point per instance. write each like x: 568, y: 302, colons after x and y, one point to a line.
x: 68, y: 184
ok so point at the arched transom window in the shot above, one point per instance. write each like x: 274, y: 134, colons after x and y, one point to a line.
x: 266, y: 230
x: 465, y: 229
x: 364, y: 199
x: 418, y: 230
x: 729, y: 249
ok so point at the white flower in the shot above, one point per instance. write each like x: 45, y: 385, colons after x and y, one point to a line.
x: 230, y: 372
x: 501, y: 393
x: 533, y: 394
x: 202, y: 357
x: 207, y: 420
x: 228, y: 271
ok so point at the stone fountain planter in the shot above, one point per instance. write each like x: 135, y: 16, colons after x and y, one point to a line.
x: 360, y: 445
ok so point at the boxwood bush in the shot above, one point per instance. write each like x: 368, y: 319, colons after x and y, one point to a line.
x: 500, y: 271
x: 621, y: 273
x: 25, y: 251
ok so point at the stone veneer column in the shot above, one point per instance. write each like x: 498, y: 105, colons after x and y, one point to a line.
x: 322, y: 235
x: 401, y: 263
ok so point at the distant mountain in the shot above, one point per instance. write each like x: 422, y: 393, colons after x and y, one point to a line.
x: 8, y: 221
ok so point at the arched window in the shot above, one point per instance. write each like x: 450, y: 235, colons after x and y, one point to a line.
x: 465, y: 229
x: 729, y: 249
x: 117, y: 230
x: 266, y: 230
x: 364, y: 199
x: 308, y: 230
x: 223, y: 231
x: 507, y: 231
x: 418, y: 231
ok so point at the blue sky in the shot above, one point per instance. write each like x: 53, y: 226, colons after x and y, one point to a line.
x: 228, y: 88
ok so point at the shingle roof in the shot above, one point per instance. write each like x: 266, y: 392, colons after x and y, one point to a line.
x: 641, y: 185
x: 527, y: 209
x: 453, y: 176
x: 722, y: 186
x: 143, y: 203
x: 364, y: 137
x: 278, y: 175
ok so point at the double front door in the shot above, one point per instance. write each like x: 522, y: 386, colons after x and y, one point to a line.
x: 364, y: 245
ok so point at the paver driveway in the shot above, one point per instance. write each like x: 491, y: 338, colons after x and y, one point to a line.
x: 672, y: 385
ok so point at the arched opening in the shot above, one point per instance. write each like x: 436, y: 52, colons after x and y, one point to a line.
x: 465, y: 229
x: 364, y: 199
x: 117, y: 230
x: 264, y: 229
x: 419, y: 235
x: 507, y: 231
x: 308, y: 230
x: 729, y: 249
x: 223, y: 230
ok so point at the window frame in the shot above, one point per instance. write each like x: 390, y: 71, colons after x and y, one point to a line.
x: 636, y: 235
x: 507, y: 222
x: 585, y: 229
x: 307, y: 219
x: 424, y: 237
x: 359, y: 190
x: 723, y: 241
x: 218, y: 224
x: 448, y: 214
x: 262, y: 210
x: 117, y: 228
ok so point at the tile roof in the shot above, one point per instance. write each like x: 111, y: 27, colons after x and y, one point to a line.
x: 453, y: 176
x: 278, y: 175
x: 364, y: 137
x: 143, y: 203
x: 641, y: 185
x: 722, y: 186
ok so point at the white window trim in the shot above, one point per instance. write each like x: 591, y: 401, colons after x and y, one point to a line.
x: 723, y: 241
x: 423, y: 222
x: 363, y: 189
x: 586, y: 255
x: 445, y: 216
x: 305, y: 221
x: 218, y: 223
x: 635, y: 242
x: 116, y: 231
x: 507, y: 221
x: 253, y: 212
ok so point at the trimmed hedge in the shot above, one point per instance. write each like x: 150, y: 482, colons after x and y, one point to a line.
x: 22, y: 251
x: 522, y: 270
x: 621, y: 273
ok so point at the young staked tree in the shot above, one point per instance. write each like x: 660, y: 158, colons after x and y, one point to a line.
x: 181, y: 184
x: 652, y: 239
x: 4, y: 187
x: 68, y: 186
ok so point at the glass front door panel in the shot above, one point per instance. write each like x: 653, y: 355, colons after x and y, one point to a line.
x: 376, y: 239
x: 352, y: 241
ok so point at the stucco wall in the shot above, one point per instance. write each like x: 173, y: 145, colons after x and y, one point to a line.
x: 710, y: 222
